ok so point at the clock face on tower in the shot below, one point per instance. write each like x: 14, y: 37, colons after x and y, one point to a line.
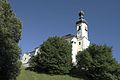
x: 79, y: 33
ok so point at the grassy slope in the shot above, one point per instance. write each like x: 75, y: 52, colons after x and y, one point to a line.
x: 29, y: 75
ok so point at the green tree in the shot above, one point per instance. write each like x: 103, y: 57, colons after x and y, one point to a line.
x: 10, y: 32
x: 97, y: 63
x: 54, y: 57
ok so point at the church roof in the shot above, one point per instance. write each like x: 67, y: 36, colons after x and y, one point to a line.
x: 68, y: 37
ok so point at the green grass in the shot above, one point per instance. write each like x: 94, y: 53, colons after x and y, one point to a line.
x: 30, y: 75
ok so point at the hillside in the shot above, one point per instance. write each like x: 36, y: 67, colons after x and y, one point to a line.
x: 30, y: 75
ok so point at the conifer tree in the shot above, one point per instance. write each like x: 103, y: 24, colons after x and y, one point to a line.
x: 10, y: 32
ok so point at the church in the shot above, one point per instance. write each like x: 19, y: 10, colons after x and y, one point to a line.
x: 79, y: 41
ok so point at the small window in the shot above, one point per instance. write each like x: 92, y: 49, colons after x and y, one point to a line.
x: 71, y: 41
x: 79, y: 43
x: 24, y: 59
x: 79, y: 28
x: 74, y: 42
x: 86, y: 29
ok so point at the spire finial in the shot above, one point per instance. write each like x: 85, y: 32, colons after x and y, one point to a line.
x: 81, y: 14
x: 81, y: 17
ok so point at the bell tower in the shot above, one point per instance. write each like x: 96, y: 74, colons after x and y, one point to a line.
x: 80, y: 40
x: 82, y: 32
x: 82, y: 28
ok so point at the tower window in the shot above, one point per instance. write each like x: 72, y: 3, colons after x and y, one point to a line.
x: 79, y: 43
x: 73, y: 42
x: 79, y: 28
x: 86, y: 29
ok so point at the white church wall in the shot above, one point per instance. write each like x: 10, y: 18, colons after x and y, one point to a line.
x: 79, y: 45
x: 74, y: 50
x: 86, y: 43
x: 83, y: 29
x: 25, y: 58
x: 36, y: 51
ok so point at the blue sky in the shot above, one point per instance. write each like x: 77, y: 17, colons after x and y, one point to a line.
x: 44, y: 18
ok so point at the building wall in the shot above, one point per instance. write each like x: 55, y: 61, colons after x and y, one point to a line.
x: 25, y: 58
x: 74, y: 49
x: 82, y: 30
x: 86, y: 43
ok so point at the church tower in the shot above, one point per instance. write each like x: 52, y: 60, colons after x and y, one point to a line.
x: 82, y: 32
x: 80, y: 41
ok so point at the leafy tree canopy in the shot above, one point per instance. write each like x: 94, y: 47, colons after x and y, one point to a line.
x: 97, y: 63
x: 54, y: 57
x: 10, y: 32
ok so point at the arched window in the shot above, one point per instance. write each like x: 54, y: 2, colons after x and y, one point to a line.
x: 79, y: 28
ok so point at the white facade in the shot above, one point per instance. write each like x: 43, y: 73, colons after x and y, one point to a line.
x: 36, y: 51
x: 26, y: 57
x: 80, y: 42
x: 74, y: 49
